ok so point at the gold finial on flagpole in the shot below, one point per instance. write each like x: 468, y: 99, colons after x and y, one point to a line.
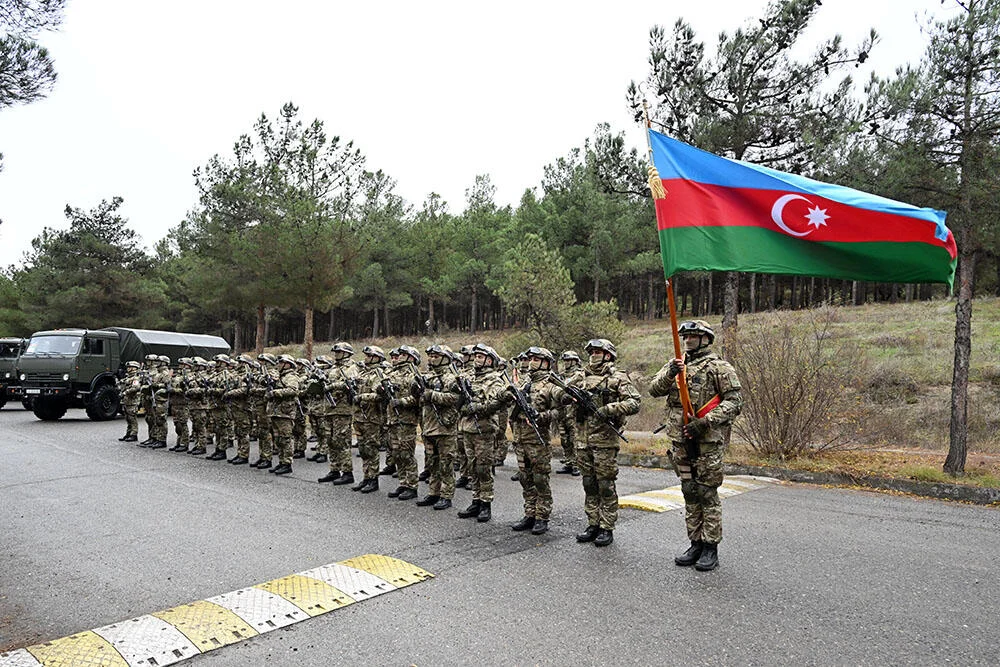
x: 655, y: 182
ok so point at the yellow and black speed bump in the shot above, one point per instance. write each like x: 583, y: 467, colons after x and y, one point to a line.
x: 172, y: 635
x: 671, y: 498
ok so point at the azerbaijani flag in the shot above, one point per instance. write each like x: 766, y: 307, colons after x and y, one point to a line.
x: 725, y: 215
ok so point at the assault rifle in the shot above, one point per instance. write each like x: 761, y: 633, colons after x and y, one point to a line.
x: 465, y: 387
x: 318, y: 376
x: 387, y: 388
x: 585, y: 402
x: 419, y: 388
x: 524, y: 405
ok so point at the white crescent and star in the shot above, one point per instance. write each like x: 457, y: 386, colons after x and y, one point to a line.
x: 817, y: 217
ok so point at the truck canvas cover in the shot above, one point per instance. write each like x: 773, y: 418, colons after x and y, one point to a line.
x: 137, y: 343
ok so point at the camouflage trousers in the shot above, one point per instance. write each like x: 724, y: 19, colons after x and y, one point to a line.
x: 599, y: 470
x: 481, y: 446
x: 462, y: 456
x: 339, y: 443
x: 223, y: 427
x: 199, y: 426
x: 534, y: 461
x: 320, y: 427
x: 500, y: 445
x: 282, y: 428
x: 567, y: 435
x: 369, y: 440
x: 702, y: 505
x: 131, y: 420
x: 439, y: 459
x: 403, y: 445
x: 265, y: 439
x: 299, y: 433
x: 241, y: 428
x: 160, y: 419
x: 181, y: 414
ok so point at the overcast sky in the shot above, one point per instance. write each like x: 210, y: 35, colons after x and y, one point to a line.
x: 433, y: 93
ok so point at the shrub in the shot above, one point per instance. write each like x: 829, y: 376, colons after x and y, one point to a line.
x: 799, y: 391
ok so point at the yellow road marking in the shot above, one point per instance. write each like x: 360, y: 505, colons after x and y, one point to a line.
x: 671, y: 498
x: 312, y: 596
x: 207, y: 625
x: 397, y: 572
x: 84, y: 648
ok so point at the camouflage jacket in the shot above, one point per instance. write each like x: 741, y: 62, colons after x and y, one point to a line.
x: 371, y: 406
x: 129, y: 388
x: 442, y: 393
x: 612, y: 390
x: 489, y: 397
x: 545, y: 397
x: 406, y: 409
x: 708, y: 376
x: 180, y: 381
x: 343, y: 373
x: 282, y: 401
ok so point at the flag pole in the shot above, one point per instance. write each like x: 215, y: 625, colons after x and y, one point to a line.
x: 660, y: 193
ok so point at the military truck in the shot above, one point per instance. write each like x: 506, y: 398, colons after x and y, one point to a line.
x: 10, y: 350
x: 77, y: 368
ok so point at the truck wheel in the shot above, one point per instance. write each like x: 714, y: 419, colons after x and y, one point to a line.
x: 3, y: 401
x: 103, y: 404
x: 28, y: 403
x: 48, y: 410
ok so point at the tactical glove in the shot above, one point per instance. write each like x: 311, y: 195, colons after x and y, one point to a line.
x: 472, y: 408
x: 696, y: 428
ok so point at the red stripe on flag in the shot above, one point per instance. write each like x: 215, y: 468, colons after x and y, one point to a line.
x: 804, y: 215
x: 708, y: 407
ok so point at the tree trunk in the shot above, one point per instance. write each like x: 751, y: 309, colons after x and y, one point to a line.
x: 711, y: 295
x: 385, y: 319
x: 650, y: 296
x: 474, y: 311
x: 261, y: 331
x: 772, y: 291
x: 238, y: 335
x: 597, y: 289
x: 308, y: 333
x: 855, y: 293
x: 731, y: 302
x: 753, y: 292
x: 432, y: 326
x: 330, y: 327
x: 375, y: 322
x: 958, y: 432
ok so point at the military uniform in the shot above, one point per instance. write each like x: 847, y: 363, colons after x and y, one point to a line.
x: 299, y: 426
x: 160, y: 387
x: 179, y: 410
x: 567, y: 420
x: 714, y: 389
x: 282, y: 408
x: 221, y: 381
x: 439, y: 430
x: 264, y: 378
x: 343, y: 375
x: 199, y: 404
x: 369, y: 420
x: 129, y: 388
x: 240, y: 406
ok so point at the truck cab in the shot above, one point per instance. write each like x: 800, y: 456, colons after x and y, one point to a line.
x: 70, y: 368
x: 10, y: 350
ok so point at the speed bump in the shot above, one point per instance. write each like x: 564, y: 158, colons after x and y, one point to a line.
x: 671, y: 498
x: 172, y: 635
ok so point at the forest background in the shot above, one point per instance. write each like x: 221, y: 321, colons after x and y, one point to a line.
x: 295, y: 237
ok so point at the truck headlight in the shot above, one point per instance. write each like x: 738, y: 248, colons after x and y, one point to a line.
x: 65, y: 377
x: 23, y: 377
x: 6, y: 376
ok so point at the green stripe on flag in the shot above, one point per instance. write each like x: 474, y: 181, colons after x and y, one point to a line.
x: 756, y: 250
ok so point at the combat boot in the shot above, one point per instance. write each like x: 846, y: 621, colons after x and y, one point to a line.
x: 470, y: 511
x: 526, y: 523
x: 541, y: 526
x: 395, y: 493
x: 576, y: 472
x: 283, y: 469
x: 709, y: 559
x: 516, y: 477
x: 145, y: 442
x: 485, y: 513
x: 130, y: 438
x: 124, y: 438
x: 442, y: 504
x: 239, y: 460
x: 317, y: 458
x: 331, y: 476
x: 588, y: 535
x: 370, y: 486
x: 360, y: 485
x: 407, y: 494
x: 424, y: 476
x: 179, y: 448
x: 217, y: 455
x: 567, y: 469
x: 157, y: 444
x: 299, y: 455
x: 603, y: 538
x: 264, y: 464
x: 389, y: 469
x: 462, y: 482
x: 428, y: 501
x: 691, y: 556
x: 346, y: 477
x: 197, y: 451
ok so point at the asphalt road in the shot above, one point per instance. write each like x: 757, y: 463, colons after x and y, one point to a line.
x: 93, y: 531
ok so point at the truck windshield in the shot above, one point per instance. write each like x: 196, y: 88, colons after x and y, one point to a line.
x: 9, y: 350
x: 41, y: 345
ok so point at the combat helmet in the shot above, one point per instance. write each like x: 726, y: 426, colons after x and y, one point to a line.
x: 413, y: 353
x: 541, y: 353
x: 697, y: 328
x: 602, y: 344
x: 480, y: 348
x: 303, y: 362
x: 199, y: 361
x: 467, y: 350
x: 570, y: 355
x: 288, y: 359
x: 152, y: 358
x: 323, y: 360
x: 374, y: 351
x: 267, y: 358
x: 133, y: 364
x: 342, y: 347
x: 222, y: 359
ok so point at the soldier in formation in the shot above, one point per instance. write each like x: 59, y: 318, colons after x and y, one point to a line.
x: 130, y: 388
x: 698, y: 445
x: 570, y: 364
x: 343, y: 375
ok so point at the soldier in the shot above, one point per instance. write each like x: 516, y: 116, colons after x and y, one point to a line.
x: 402, y: 417
x: 179, y: 410
x: 615, y: 398
x: 299, y: 430
x: 479, y: 425
x: 500, y: 445
x: 439, y: 397
x: 146, y: 374
x: 198, y: 405
x: 282, y: 408
x: 160, y: 386
x: 567, y: 420
x: 343, y: 378
x: 240, y: 406
x: 265, y: 379
x: 370, y: 418
x: 534, y: 454
x: 698, y: 446
x: 387, y: 443
x: 464, y: 463
x: 319, y: 404
x: 129, y: 388
x: 521, y: 363
x: 221, y: 381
